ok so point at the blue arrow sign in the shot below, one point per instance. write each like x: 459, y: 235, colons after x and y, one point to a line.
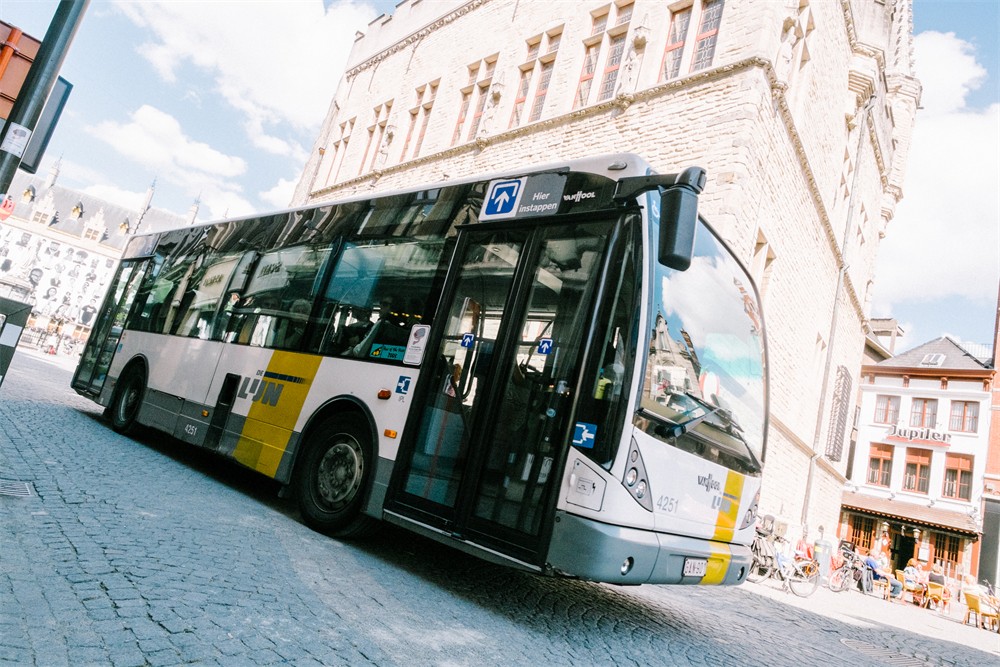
x: 584, y: 434
x: 468, y: 339
x: 544, y: 345
x: 403, y: 385
x: 502, y: 197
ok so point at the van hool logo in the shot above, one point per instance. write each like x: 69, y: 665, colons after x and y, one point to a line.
x: 579, y: 195
x: 709, y: 483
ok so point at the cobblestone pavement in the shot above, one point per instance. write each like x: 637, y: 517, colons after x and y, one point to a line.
x: 148, y: 552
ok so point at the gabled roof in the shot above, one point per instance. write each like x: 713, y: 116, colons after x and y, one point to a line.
x: 60, y: 202
x: 942, y: 353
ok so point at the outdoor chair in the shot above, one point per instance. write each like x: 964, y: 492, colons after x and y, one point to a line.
x: 916, y: 591
x: 984, y: 617
x: 881, y: 588
x: 935, y: 594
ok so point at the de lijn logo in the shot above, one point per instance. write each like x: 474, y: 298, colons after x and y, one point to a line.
x: 267, y: 387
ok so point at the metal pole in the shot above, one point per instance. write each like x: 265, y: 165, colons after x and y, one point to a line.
x: 37, y: 86
x: 862, y: 129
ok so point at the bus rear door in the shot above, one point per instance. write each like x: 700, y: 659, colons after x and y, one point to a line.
x: 102, y: 344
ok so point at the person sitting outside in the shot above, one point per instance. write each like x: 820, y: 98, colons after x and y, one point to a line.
x: 936, y: 576
x: 880, y: 572
x: 914, y: 579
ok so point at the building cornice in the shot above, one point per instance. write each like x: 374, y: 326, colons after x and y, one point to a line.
x: 415, y: 36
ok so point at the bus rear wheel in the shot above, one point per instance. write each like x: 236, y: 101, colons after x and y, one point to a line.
x: 333, y: 474
x: 126, y: 400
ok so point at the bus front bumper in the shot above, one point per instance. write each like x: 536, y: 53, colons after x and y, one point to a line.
x: 595, y: 551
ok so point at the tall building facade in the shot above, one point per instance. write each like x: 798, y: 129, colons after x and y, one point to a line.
x: 921, y: 457
x: 59, y: 250
x: 801, y: 112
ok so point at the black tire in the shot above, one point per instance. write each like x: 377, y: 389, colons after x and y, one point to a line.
x: 761, y: 565
x: 803, y: 579
x: 125, y: 402
x: 758, y: 572
x: 840, y: 579
x: 333, y: 475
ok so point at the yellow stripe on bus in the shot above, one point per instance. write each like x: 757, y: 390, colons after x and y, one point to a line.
x: 269, y: 427
x: 729, y: 509
x: 718, y: 564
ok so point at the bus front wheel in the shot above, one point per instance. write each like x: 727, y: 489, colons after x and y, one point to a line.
x: 333, y: 474
x: 125, y: 403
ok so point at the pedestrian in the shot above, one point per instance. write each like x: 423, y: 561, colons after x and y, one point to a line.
x: 880, y: 572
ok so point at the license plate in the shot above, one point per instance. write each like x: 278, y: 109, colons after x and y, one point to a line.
x: 695, y: 567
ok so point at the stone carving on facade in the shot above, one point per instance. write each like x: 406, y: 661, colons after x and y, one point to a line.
x: 629, y: 77
x: 383, y: 149
x: 494, y: 95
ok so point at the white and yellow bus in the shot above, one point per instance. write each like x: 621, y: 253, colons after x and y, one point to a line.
x: 561, y: 368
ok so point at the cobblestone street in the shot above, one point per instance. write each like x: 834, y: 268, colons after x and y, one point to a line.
x: 125, y: 552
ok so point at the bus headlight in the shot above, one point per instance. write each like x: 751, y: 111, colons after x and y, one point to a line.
x: 635, y: 478
x: 750, y: 517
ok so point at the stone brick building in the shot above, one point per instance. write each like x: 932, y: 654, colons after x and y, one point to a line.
x: 801, y: 111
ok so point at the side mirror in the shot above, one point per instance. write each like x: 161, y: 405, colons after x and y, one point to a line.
x: 679, y: 219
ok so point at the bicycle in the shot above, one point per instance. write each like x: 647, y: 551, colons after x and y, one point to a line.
x: 843, y: 577
x: 800, y: 574
x: 763, y: 563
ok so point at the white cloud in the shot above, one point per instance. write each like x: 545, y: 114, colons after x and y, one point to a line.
x: 947, y: 68
x: 277, y: 62
x: 945, y: 238
x: 280, y: 195
x: 115, y: 195
x: 155, y: 139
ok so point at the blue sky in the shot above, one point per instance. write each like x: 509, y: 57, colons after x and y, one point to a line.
x: 193, y: 95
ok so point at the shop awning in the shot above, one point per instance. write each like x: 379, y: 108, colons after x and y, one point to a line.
x: 958, y: 522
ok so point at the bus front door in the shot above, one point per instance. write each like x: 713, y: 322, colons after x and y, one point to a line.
x: 100, y: 349
x: 493, y: 412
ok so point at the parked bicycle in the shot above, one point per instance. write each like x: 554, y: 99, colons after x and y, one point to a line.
x: 847, y: 573
x: 799, y: 573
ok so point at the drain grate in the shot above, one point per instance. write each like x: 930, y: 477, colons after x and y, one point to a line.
x: 884, y: 654
x: 16, y: 489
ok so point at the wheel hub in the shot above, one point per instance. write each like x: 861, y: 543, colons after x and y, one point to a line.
x: 340, y: 472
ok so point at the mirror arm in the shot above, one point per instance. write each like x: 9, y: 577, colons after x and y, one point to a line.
x: 628, y: 188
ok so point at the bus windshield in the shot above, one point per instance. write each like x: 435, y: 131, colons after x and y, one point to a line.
x: 705, y: 365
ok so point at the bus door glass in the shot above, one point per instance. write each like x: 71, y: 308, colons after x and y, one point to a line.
x: 460, y: 367
x: 501, y: 388
x: 103, y: 341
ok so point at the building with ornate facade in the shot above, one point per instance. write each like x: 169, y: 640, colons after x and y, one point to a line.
x: 919, y: 465
x: 59, y: 250
x: 801, y: 111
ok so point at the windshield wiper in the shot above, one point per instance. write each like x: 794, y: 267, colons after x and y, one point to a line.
x: 731, y: 428
x: 682, y: 427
